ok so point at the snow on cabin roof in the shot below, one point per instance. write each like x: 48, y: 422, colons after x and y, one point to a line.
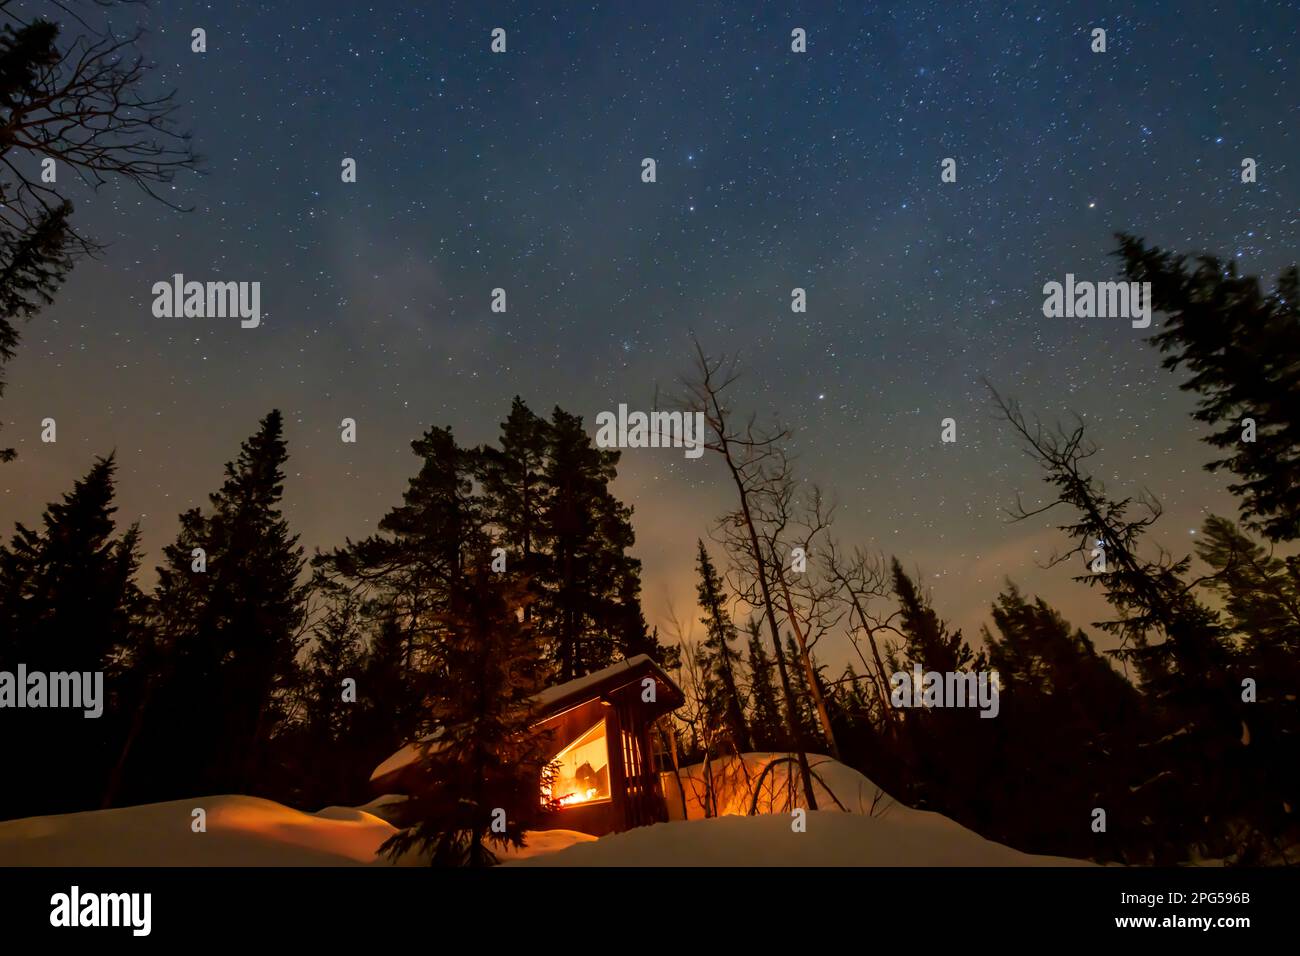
x: 546, y: 700
x: 579, y: 686
x: 406, y: 756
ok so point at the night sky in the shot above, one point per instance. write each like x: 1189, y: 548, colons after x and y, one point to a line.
x: 775, y: 170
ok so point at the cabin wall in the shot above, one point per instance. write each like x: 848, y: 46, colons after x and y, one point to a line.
x: 636, y: 795
x: 643, y: 798
x: 597, y: 818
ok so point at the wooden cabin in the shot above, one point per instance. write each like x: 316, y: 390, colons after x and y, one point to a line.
x: 606, y: 766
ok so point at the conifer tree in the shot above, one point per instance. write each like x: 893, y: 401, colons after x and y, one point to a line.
x: 1071, y: 754
x: 1183, y: 653
x: 581, y: 609
x: 765, y: 715
x: 1241, y: 347
x: 516, y: 491
x: 325, y: 745
x: 76, y: 94
x: 230, y: 610
x: 939, y: 744
x: 33, y: 264
x: 546, y: 492
x: 482, y: 762
x: 928, y: 640
x: 718, y: 655
x: 406, y: 570
x: 801, y: 700
x: 1260, y: 594
x: 68, y: 603
x: 631, y: 634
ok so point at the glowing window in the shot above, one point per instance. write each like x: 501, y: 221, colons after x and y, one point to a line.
x: 582, y: 770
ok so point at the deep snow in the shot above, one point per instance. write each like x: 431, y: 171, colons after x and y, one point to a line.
x: 871, y: 830
x: 831, y: 838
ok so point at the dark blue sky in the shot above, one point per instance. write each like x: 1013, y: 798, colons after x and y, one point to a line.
x: 775, y: 170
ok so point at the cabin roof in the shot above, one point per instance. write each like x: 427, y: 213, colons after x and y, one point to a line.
x: 560, y: 697
x: 606, y: 680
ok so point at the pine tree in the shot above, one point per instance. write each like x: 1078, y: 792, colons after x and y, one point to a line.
x: 1260, y: 593
x: 391, y: 593
x: 229, y: 613
x: 1182, y: 652
x: 928, y: 640
x: 33, y: 264
x: 1242, y: 348
x: 628, y: 625
x: 68, y: 603
x: 938, y: 745
x: 407, y: 570
x: 765, y: 715
x: 480, y: 771
x: 393, y: 702
x: 515, y: 489
x: 801, y: 700
x: 84, y: 103
x: 1071, y: 754
x: 546, y: 492
x: 718, y: 656
x: 325, y: 747
x: 582, y: 609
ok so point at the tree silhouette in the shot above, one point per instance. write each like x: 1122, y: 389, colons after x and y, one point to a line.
x: 1242, y: 348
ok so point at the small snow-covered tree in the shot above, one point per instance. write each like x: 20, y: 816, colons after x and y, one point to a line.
x: 482, y: 760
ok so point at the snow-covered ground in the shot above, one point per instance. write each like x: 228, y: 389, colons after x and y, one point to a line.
x: 855, y: 825
x: 831, y: 838
x: 768, y: 783
x: 241, y: 831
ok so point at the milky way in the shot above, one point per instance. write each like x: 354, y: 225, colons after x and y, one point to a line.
x: 775, y: 170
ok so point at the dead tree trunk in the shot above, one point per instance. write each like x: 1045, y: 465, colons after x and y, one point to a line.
x: 707, y: 401
x: 823, y: 715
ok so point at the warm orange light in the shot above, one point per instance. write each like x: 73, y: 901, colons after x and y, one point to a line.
x: 581, y: 770
x: 572, y: 798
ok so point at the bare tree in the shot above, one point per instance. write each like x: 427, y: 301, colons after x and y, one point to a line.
x: 862, y: 579
x: 749, y: 453
x: 81, y: 105
x: 786, y: 525
x: 86, y: 105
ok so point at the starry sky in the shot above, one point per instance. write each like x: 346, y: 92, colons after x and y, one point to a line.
x: 775, y: 170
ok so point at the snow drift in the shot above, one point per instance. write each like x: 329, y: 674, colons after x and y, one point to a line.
x: 752, y: 796
x: 767, y: 783
x: 241, y: 831
x: 856, y: 825
x: 911, y: 838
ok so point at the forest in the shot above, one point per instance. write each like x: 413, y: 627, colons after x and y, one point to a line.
x: 257, y: 666
x: 232, y: 675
